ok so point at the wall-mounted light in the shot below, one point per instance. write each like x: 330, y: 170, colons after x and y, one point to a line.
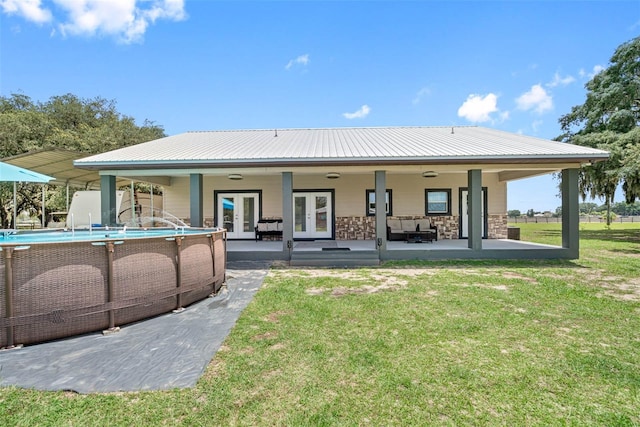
x: 333, y: 175
x: 429, y: 174
x: 235, y: 176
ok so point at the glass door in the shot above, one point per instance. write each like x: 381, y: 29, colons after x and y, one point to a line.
x: 312, y: 216
x: 464, y: 214
x: 238, y: 214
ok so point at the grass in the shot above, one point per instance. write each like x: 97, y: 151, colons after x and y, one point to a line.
x: 447, y: 343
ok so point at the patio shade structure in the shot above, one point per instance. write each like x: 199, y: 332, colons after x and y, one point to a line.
x: 10, y: 173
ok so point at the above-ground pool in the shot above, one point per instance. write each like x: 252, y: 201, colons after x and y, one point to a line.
x: 62, y: 283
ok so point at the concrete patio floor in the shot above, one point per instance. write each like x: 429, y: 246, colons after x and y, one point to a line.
x: 369, y: 245
x: 360, y: 253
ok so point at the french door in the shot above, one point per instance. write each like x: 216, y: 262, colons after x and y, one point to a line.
x: 238, y: 213
x: 312, y: 215
x: 464, y: 213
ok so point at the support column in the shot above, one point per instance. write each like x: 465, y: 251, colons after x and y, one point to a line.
x: 108, y: 200
x: 287, y: 211
x: 196, y: 209
x: 44, y: 214
x: 8, y: 293
x: 474, y: 178
x: 15, y: 205
x: 179, y: 307
x: 110, y: 248
x: 570, y: 212
x: 381, y: 212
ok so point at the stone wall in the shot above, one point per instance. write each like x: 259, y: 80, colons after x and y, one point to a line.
x: 497, y: 226
x: 448, y: 226
x: 355, y: 228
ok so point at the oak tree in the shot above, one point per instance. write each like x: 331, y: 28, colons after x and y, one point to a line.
x: 609, y: 119
x: 84, y: 125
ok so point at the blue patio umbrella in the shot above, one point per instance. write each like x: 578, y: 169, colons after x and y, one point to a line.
x: 11, y: 173
x: 227, y: 204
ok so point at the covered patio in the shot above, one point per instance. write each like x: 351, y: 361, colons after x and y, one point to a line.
x: 322, y: 185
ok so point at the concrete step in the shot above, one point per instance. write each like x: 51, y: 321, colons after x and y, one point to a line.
x: 336, y: 258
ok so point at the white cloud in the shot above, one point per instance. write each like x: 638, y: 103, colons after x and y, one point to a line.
x: 127, y: 20
x: 31, y: 10
x: 302, y: 60
x: 536, y: 99
x: 596, y: 70
x: 478, y: 108
x: 359, y: 114
x: 536, y: 125
x: 561, y: 81
x: 422, y: 93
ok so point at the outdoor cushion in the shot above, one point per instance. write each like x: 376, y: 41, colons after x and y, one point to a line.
x: 394, y: 225
x: 408, y: 225
x: 272, y: 226
x: 262, y: 226
x: 425, y: 224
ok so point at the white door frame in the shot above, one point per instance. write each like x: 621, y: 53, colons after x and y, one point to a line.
x: 238, y: 227
x: 464, y: 212
x: 312, y: 214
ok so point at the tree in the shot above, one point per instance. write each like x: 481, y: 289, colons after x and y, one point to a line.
x: 84, y: 125
x: 531, y: 213
x: 609, y: 119
x: 587, y: 208
x: 624, y: 209
x: 514, y: 213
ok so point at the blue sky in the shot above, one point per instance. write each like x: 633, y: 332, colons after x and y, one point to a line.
x: 206, y: 65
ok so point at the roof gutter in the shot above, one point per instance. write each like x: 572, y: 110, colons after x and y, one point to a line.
x: 234, y: 163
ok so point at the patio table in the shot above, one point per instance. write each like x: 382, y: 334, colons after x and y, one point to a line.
x: 419, y: 236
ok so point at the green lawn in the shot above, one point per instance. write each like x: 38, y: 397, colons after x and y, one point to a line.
x: 448, y: 343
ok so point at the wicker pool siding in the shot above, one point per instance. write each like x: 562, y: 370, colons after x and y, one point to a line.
x: 63, y: 289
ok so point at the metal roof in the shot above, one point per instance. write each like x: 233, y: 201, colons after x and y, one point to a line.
x: 340, y: 146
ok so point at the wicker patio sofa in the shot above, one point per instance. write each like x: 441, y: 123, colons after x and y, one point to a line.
x: 268, y: 227
x: 397, y: 229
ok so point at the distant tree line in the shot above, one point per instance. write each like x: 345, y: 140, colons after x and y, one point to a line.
x: 84, y: 125
x: 620, y: 209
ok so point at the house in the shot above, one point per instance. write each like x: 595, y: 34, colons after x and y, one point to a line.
x: 326, y: 183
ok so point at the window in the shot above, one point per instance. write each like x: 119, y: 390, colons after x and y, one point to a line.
x: 371, y: 202
x: 437, y: 201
